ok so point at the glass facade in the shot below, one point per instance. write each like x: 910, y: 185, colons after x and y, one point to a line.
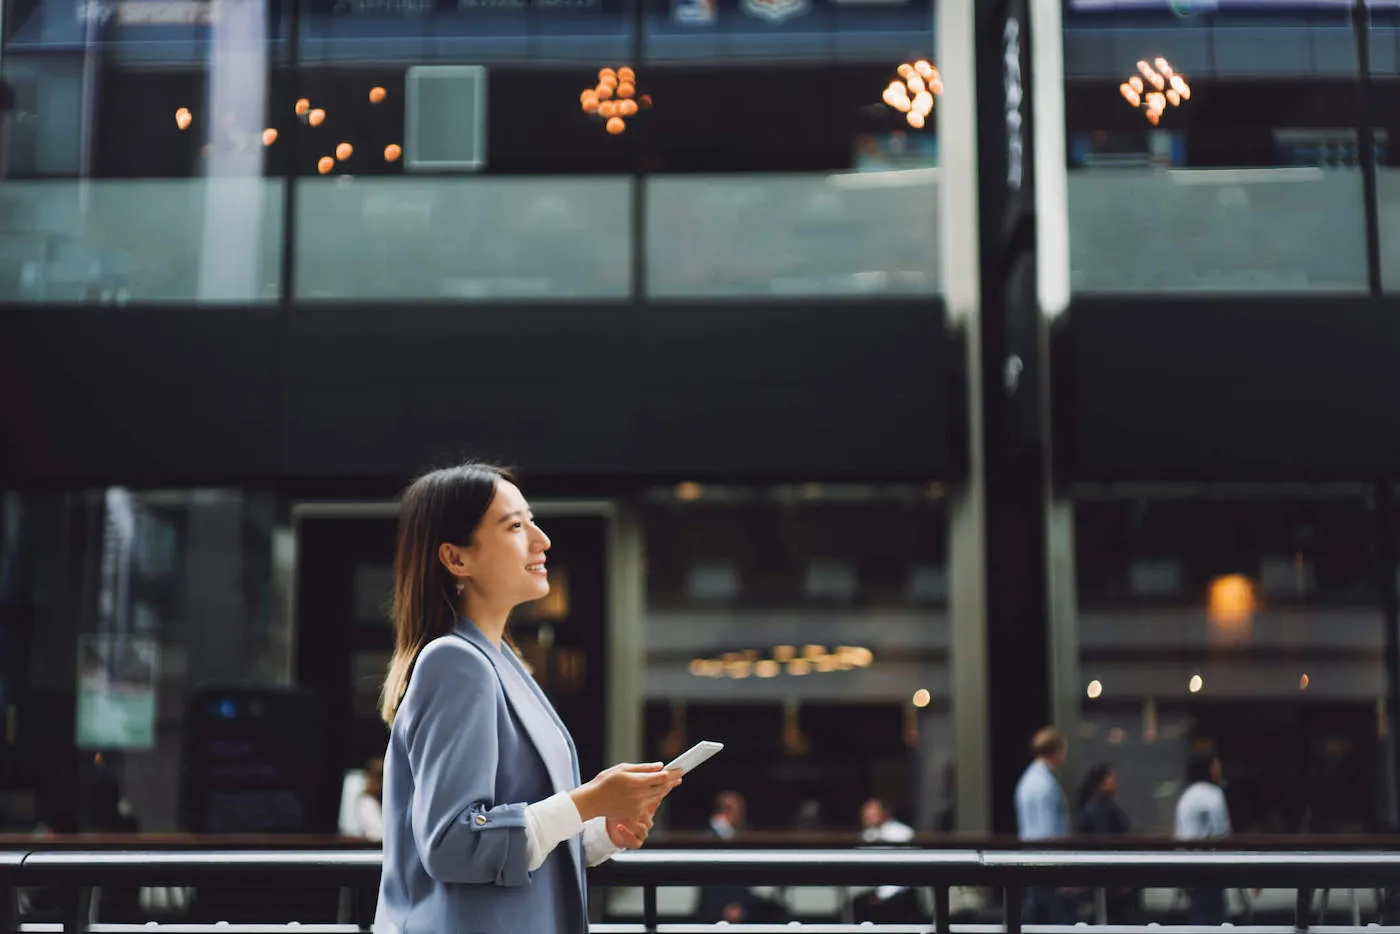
x: 1210, y: 194
x: 808, y: 625
x: 374, y: 150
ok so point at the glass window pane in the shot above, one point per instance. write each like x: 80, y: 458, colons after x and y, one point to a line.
x: 1203, y: 184
x: 806, y: 166
x: 134, y: 153
x: 1241, y: 622
x: 791, y: 623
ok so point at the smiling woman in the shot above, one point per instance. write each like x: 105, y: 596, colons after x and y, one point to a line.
x: 481, y: 777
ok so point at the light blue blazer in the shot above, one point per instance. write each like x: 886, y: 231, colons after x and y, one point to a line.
x: 475, y: 740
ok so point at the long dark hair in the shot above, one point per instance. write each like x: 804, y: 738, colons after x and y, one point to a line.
x: 1093, y: 781
x: 443, y: 506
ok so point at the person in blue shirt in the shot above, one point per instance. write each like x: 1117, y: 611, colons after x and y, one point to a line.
x: 1042, y: 813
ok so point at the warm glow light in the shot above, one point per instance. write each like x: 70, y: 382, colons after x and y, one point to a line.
x: 784, y: 652
x: 915, y: 84
x: 1231, y: 602
x: 303, y: 105
x: 924, y: 103
x: 1167, y: 87
x: 1303, y: 682
x: 607, y: 109
x: 1195, y: 684
x: 607, y: 74
x: 627, y: 108
x: 646, y: 101
x: 905, y: 70
x: 591, y: 105
x: 183, y: 119
x: 922, y: 697
x: 616, y: 125
x: 799, y: 666
x: 924, y: 69
x: 626, y: 75
x: 344, y: 151
x: 325, y: 164
x: 767, y: 669
x: 269, y: 136
x: 1095, y: 690
x: 626, y: 91
x: 392, y: 152
x: 739, y: 669
x: 813, y: 652
x: 605, y: 92
x: 689, y: 491
x: 316, y: 117
x: 916, y: 119
x: 377, y: 95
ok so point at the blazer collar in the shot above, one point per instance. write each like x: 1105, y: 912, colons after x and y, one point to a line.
x: 531, y: 708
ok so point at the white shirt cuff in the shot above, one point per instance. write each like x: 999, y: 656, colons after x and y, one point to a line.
x: 549, y: 823
x: 597, y: 845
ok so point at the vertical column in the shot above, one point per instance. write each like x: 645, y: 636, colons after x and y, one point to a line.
x: 1052, y: 256
x: 960, y: 219
x: 1014, y: 640
x: 233, y: 250
x: 626, y: 636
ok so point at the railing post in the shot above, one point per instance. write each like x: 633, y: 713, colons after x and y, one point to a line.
x: 1100, y: 906
x: 942, y: 910
x: 79, y: 910
x: 1011, y: 908
x: 1303, y: 913
x: 9, y: 909
x: 649, y: 913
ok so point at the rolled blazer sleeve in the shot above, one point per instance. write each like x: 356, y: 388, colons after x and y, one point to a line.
x: 462, y: 833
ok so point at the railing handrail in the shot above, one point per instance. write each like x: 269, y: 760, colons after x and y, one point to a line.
x: 855, y: 866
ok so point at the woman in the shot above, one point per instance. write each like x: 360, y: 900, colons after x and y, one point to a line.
x: 1100, y: 813
x: 481, y: 780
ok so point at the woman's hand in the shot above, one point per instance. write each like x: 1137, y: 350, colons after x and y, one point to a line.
x: 626, y: 792
x: 629, y: 835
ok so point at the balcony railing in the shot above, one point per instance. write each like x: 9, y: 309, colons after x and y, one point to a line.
x: 79, y: 873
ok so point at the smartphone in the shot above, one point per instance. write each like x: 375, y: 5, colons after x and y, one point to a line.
x: 694, y: 755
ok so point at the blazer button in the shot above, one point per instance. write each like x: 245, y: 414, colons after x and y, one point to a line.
x: 481, y: 820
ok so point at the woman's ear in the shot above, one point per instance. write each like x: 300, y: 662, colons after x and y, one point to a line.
x: 454, y: 560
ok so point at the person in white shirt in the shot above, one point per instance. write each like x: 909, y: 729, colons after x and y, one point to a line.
x: 1042, y: 813
x: 1202, y: 814
x: 892, y: 903
x: 369, y: 806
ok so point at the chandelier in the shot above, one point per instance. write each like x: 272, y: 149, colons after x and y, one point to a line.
x: 1154, y: 87
x: 912, y: 93
x: 782, y: 659
x: 614, y: 98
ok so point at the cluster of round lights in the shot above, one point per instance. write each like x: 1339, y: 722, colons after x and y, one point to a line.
x: 783, y: 658
x: 912, y: 93
x: 311, y: 116
x: 1154, y: 87
x: 614, y: 98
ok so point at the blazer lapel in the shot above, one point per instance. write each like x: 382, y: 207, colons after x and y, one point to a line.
x: 537, y: 718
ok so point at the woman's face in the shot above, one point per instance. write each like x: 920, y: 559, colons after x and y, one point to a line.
x: 505, y: 563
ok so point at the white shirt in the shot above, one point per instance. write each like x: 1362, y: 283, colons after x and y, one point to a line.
x: 550, y: 822
x: 891, y: 831
x: 1042, y: 813
x: 369, y: 817
x: 1201, y: 812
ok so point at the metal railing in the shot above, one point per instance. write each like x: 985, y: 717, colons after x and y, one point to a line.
x: 78, y: 874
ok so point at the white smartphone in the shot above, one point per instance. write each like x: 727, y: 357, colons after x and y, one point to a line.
x: 694, y: 756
